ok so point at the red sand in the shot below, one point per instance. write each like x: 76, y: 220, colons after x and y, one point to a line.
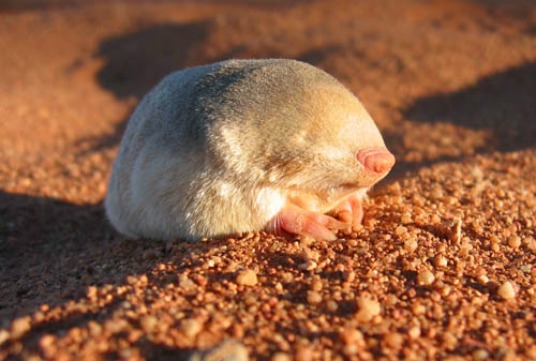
x: 443, y: 267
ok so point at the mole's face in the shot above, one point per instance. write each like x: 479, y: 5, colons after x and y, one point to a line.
x: 332, y: 148
x: 352, y: 153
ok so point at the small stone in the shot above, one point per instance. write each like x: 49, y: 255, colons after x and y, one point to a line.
x: 394, y: 340
x: 247, y: 278
x: 440, y: 261
x: 191, y: 327
x: 225, y: 351
x: 148, y: 323
x: 531, y: 244
x: 435, y: 219
x: 400, y: 230
x: 350, y: 349
x: 308, y: 265
x: 185, y: 281
x: 304, y: 353
x: 414, y: 332
x: 514, y: 241
x: 367, y: 309
x: 316, y: 285
x: 314, y: 297
x: 456, y: 231
x: 506, y: 291
x: 332, y: 306
x: 94, y: 328
x: 437, y: 193
x: 480, y: 355
x: 92, y: 292
x: 410, y: 245
x: 406, y: 218
x: 20, y: 326
x: 425, y: 278
x: 465, y: 248
x: 352, y: 336
x: 349, y: 276
x: 281, y: 356
x: 46, y: 341
x: 4, y: 336
x: 483, y: 279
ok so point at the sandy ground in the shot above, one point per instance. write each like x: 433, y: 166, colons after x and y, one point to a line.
x: 442, y: 269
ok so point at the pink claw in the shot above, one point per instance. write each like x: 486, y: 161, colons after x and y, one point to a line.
x: 297, y: 221
x: 376, y: 159
x: 349, y: 210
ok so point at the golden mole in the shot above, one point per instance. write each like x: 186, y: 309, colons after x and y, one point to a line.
x: 245, y: 145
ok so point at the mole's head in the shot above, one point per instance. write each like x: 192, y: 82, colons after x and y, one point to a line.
x: 334, y: 145
x: 296, y: 126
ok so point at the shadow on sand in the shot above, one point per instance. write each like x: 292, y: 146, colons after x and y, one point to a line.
x: 40, y: 241
x: 503, y: 103
x: 137, y: 61
x: 41, y: 236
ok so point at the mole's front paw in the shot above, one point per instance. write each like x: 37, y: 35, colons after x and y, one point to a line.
x: 349, y: 210
x: 294, y: 220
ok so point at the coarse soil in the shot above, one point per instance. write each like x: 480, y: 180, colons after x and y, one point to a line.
x: 443, y: 267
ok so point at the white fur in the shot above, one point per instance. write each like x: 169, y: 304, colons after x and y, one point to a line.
x: 213, y: 150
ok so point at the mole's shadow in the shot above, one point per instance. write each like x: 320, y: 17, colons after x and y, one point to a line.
x: 40, y: 241
x: 137, y: 61
x: 504, y: 103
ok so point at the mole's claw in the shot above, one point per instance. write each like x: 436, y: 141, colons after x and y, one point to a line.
x: 298, y: 221
x: 349, y: 210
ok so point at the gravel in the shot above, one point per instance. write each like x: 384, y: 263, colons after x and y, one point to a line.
x: 442, y: 267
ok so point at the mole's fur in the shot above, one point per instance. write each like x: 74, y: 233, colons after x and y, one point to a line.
x: 243, y: 145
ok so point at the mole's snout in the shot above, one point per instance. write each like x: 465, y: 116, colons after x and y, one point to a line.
x: 377, y: 159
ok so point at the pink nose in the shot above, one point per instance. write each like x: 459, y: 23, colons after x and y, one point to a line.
x: 377, y: 159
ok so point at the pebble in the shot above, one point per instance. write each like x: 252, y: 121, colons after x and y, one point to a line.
x: 394, y: 340
x: 226, y: 351
x: 410, y: 245
x: 148, y: 323
x: 20, y: 326
x: 304, y: 353
x: 314, y: 297
x: 332, y: 306
x: 456, y: 231
x: 480, y: 355
x: 309, y: 265
x: 506, y: 291
x: 440, y: 261
x: 514, y: 241
x: 281, y: 356
x: 425, y: 278
x: 367, y: 309
x: 191, y: 327
x: 247, y: 278
x: 483, y: 279
x: 47, y: 341
x: 185, y: 281
x: 414, y: 332
x: 351, y: 336
x: 4, y: 336
x: 406, y: 218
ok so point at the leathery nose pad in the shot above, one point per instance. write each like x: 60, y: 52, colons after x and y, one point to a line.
x: 376, y: 159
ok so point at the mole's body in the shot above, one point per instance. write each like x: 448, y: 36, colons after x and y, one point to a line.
x: 245, y: 145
